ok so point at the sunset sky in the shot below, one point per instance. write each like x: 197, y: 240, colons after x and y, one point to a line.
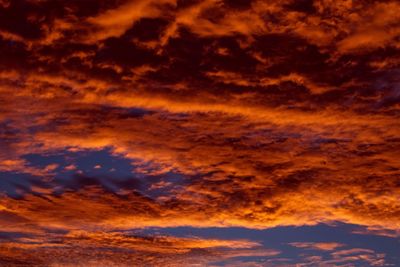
x: 163, y: 133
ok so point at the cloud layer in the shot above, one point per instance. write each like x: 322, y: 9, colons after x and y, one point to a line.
x: 253, y: 114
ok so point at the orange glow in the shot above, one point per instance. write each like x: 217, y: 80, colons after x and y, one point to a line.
x: 141, y: 115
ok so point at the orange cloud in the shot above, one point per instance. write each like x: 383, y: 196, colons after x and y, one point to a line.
x: 114, y: 22
x: 318, y: 246
x: 252, y: 114
x: 99, y: 248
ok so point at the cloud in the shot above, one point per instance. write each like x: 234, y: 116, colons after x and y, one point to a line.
x: 376, y: 29
x: 317, y: 246
x: 309, y: 157
x: 115, y: 22
x: 254, y: 114
x: 91, y: 248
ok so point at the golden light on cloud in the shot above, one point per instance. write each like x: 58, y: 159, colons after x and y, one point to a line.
x: 125, y: 123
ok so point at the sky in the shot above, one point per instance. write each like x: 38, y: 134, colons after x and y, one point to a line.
x: 249, y: 133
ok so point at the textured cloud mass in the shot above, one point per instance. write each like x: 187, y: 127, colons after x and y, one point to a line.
x: 255, y: 114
